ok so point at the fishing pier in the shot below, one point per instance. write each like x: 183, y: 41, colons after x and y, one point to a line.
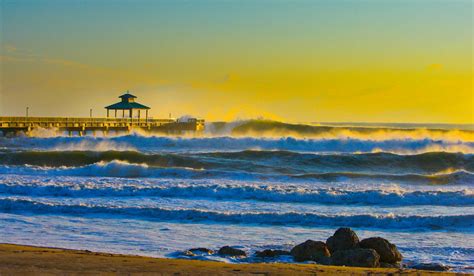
x: 131, y: 119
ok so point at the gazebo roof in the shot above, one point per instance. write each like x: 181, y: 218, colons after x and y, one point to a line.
x: 127, y: 105
x: 128, y: 102
x: 128, y: 96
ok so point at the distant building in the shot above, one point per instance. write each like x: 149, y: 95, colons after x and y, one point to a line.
x: 128, y: 104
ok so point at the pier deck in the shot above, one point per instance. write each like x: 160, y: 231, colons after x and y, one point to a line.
x: 82, y: 126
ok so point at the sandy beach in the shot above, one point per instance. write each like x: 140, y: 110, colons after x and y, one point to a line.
x: 31, y: 260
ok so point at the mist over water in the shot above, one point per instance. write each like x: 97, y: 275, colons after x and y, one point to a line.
x: 256, y: 184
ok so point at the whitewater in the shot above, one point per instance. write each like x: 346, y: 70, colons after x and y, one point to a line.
x: 250, y: 185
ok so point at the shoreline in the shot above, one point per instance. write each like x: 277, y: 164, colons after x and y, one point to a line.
x: 18, y: 259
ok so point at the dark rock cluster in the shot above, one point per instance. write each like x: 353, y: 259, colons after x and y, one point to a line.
x: 343, y: 248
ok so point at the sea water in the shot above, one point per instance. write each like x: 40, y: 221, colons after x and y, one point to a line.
x: 157, y: 195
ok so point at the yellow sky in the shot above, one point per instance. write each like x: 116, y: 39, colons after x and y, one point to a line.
x: 297, y: 61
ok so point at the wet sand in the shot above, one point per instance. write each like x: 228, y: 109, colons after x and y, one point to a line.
x: 30, y: 260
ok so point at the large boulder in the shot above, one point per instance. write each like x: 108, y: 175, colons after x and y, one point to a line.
x: 310, y: 251
x: 230, y: 251
x: 271, y: 253
x: 361, y: 257
x: 388, y: 252
x: 343, y: 239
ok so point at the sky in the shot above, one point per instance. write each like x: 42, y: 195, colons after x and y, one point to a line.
x: 408, y: 61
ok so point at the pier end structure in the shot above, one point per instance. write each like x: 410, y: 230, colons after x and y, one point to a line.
x: 82, y: 126
x: 128, y: 104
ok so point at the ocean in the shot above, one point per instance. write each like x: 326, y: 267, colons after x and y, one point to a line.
x: 250, y: 184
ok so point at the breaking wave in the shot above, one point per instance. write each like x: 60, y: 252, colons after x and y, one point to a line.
x: 389, y: 221
x: 124, y: 169
x: 307, y: 165
x: 206, y: 144
x: 266, y: 128
x: 272, y: 193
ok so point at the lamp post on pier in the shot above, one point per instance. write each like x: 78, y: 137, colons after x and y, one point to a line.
x: 27, y: 111
x: 26, y: 121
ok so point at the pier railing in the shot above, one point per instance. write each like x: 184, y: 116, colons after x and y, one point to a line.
x: 15, y: 124
x: 6, y: 122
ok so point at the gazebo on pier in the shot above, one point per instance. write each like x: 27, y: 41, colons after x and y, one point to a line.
x: 128, y: 103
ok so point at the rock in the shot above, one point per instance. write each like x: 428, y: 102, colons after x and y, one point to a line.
x: 270, y: 253
x: 388, y: 252
x: 229, y: 251
x: 310, y: 251
x: 390, y: 265
x: 432, y: 267
x: 201, y: 250
x: 343, y: 239
x: 362, y: 257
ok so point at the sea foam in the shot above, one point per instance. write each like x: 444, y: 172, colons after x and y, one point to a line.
x: 258, y: 192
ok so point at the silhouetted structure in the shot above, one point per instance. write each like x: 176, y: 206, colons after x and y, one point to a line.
x: 26, y: 124
x: 128, y: 103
